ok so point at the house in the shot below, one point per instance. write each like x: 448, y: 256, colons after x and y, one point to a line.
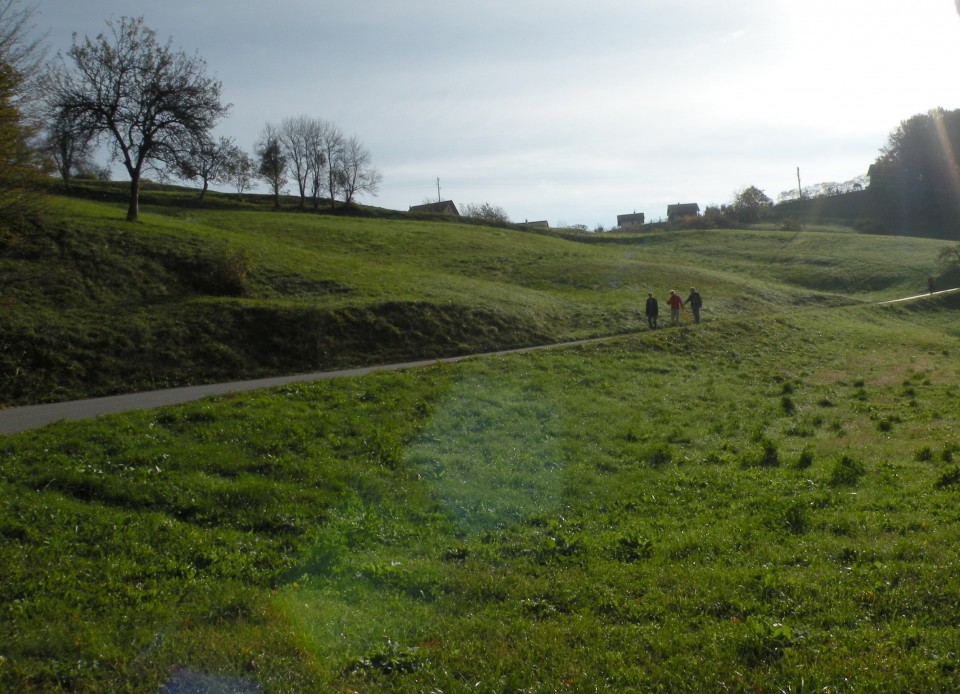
x: 442, y: 207
x: 543, y: 224
x: 630, y: 220
x: 682, y: 210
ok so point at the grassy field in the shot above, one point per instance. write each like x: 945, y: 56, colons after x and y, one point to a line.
x: 764, y: 502
x: 92, y: 305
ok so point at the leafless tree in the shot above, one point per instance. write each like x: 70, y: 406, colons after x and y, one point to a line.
x: 356, y: 171
x: 69, y: 145
x: 332, y: 143
x: 298, y: 140
x: 150, y: 102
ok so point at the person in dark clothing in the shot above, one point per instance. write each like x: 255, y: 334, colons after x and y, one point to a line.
x: 931, y: 284
x: 695, y: 303
x: 653, y: 311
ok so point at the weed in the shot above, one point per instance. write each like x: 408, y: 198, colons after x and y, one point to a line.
x: 805, y: 459
x: 846, y: 471
x: 765, y: 454
x: 949, y: 477
x: 392, y: 658
x: 633, y: 548
x: 658, y: 455
x: 763, y: 642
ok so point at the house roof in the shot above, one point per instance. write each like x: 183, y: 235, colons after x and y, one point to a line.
x: 442, y: 207
x: 683, y: 208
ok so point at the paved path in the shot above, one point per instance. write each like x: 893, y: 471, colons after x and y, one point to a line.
x: 919, y: 296
x: 17, y: 419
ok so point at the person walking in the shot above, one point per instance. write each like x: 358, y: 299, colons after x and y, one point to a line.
x: 695, y: 303
x: 653, y: 311
x: 675, y: 303
x: 931, y: 283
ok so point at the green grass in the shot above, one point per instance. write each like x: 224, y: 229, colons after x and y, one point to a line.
x: 638, y: 514
x: 92, y: 305
x: 765, y: 502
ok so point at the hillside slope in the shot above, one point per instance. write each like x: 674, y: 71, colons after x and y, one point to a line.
x: 92, y: 305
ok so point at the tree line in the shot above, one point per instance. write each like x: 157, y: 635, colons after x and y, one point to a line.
x: 155, y: 108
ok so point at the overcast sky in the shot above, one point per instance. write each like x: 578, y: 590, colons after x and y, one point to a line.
x: 572, y: 112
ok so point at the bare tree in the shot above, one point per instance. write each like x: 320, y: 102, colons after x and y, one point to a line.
x: 332, y: 143
x: 271, y: 161
x: 356, y: 172
x: 207, y: 161
x: 69, y: 145
x: 151, y: 103
x: 298, y: 141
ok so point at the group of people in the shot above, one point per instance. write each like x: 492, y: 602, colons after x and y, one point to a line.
x: 676, y: 305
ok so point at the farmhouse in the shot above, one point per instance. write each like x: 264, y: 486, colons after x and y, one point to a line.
x: 442, y: 207
x: 630, y: 220
x: 541, y: 224
x: 681, y: 210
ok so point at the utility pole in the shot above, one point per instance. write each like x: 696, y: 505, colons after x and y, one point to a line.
x: 438, y: 189
x: 800, y: 193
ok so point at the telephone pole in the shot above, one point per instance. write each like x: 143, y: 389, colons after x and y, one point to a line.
x: 438, y: 189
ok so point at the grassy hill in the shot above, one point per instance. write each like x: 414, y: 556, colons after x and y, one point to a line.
x: 92, y: 305
x: 764, y: 502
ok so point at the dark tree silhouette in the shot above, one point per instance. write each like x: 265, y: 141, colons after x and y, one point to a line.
x: 151, y: 103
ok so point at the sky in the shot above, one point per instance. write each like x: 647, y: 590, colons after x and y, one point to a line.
x: 570, y: 112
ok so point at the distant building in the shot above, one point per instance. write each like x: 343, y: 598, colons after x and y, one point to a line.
x: 443, y: 207
x: 630, y: 220
x: 542, y: 224
x: 682, y: 210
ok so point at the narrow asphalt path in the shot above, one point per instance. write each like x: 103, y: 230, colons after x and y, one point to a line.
x: 16, y: 419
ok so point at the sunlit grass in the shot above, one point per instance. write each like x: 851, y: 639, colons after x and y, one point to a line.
x: 640, y: 514
x: 764, y: 502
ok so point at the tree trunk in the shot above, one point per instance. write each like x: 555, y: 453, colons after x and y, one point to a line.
x: 133, y: 209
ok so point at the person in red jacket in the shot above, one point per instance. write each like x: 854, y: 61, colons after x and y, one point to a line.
x: 675, y: 303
